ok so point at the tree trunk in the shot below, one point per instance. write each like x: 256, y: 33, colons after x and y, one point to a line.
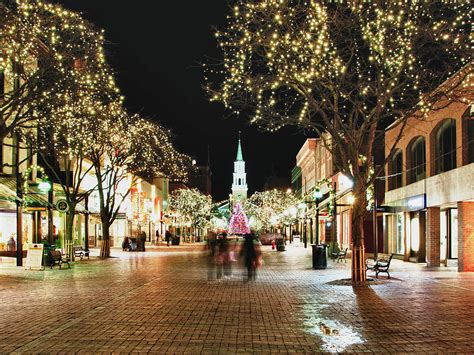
x: 70, y: 216
x: 358, y: 250
x: 105, y: 246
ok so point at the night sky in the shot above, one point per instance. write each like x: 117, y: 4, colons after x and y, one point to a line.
x: 155, y: 48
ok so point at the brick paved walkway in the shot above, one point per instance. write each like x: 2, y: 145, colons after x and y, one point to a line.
x: 161, y: 302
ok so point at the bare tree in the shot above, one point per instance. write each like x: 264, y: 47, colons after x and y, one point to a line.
x: 126, y: 149
x: 82, y: 83
x: 349, y: 69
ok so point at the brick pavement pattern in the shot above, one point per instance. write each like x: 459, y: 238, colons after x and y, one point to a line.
x: 162, y: 302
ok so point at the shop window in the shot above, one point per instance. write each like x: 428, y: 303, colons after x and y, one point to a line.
x: 396, y: 169
x: 470, y: 141
x: 400, y: 247
x: 395, y: 233
x: 417, y: 167
x: 446, y: 146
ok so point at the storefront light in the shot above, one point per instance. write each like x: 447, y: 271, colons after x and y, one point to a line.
x: 293, y: 211
x: 350, y: 199
x: 44, y: 186
x: 345, y: 182
x: 317, y: 194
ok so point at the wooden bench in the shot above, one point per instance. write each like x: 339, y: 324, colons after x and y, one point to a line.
x: 340, y: 255
x: 79, y: 252
x: 381, y: 264
x: 57, y: 258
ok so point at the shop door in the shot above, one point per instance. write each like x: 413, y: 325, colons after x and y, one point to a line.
x: 443, y: 235
x: 453, y: 233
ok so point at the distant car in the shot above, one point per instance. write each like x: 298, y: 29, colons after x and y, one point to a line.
x: 267, y: 238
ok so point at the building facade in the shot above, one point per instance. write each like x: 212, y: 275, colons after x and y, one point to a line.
x: 430, y: 189
x: 328, y: 219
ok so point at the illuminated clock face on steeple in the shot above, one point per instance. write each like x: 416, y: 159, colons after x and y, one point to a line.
x: 239, y: 184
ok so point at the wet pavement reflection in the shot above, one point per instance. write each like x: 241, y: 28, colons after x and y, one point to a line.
x: 163, y: 301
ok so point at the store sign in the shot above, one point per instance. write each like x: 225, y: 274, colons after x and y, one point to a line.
x: 409, y: 204
x: 416, y: 203
x: 34, y: 256
x: 62, y: 206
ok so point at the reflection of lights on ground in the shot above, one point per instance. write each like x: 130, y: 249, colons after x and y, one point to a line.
x: 336, y: 336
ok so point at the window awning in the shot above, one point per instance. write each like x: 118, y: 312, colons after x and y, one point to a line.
x: 34, y: 198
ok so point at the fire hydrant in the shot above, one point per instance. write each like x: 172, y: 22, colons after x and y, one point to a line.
x: 273, y: 244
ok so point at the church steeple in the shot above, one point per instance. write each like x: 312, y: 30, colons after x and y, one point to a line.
x: 239, y: 184
x: 239, y: 151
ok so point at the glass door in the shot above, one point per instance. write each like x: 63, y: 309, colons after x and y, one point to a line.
x: 443, y: 235
x: 400, y: 248
x: 453, y: 233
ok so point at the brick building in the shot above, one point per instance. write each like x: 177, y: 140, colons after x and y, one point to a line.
x: 430, y: 189
x: 314, y: 162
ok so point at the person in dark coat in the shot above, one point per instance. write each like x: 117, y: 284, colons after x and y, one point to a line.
x: 168, y: 237
x: 251, y: 254
x: 126, y: 244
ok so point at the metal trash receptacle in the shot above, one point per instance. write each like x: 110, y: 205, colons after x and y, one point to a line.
x: 319, y: 256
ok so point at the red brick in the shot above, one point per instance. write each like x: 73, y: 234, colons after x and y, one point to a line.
x: 466, y: 236
x: 433, y: 236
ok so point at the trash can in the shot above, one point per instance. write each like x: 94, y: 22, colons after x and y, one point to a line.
x: 175, y: 240
x: 319, y: 256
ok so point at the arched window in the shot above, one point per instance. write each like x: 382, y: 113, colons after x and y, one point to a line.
x: 445, y: 158
x: 417, y: 159
x: 470, y: 140
x: 396, y: 169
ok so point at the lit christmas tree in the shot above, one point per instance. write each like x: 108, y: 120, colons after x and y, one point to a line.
x: 239, y: 223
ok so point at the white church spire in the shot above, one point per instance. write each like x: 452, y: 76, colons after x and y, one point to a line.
x: 239, y: 184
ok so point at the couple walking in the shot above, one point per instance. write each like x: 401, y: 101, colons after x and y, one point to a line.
x: 222, y: 253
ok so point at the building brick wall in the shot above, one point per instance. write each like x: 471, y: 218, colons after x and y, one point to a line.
x: 433, y: 236
x: 466, y: 236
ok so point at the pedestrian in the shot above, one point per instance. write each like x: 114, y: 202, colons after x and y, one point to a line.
x: 168, y: 237
x: 126, y: 244
x: 221, y: 255
x: 211, y: 247
x: 11, y: 244
x: 252, y: 256
x: 142, y: 240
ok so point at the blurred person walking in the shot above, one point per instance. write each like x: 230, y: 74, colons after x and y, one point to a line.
x: 211, y: 256
x: 252, y: 256
x: 221, y: 255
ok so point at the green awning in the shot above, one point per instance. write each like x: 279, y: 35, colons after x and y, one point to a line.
x: 34, y: 197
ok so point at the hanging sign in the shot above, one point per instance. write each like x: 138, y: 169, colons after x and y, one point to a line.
x: 34, y: 256
x: 62, y: 205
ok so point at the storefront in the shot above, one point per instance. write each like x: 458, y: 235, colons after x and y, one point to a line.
x: 405, y: 228
x: 449, y: 236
